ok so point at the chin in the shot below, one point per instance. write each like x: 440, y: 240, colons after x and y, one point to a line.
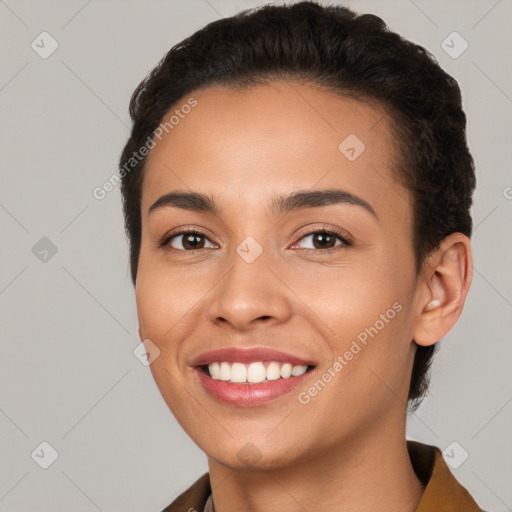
x: 252, y: 456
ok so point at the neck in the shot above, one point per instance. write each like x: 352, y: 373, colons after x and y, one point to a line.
x: 370, y: 472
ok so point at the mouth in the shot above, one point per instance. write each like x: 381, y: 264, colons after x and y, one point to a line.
x: 250, y: 377
x: 253, y: 373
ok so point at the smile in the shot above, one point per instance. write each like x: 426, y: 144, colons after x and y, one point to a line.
x: 250, y: 377
x: 254, y: 373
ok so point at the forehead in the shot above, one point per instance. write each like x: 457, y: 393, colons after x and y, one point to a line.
x: 244, y: 144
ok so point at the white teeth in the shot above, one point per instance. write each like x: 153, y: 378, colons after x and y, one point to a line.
x: 238, y: 373
x: 225, y: 371
x: 286, y: 370
x: 298, y: 370
x: 214, y: 371
x: 273, y: 371
x: 254, y: 373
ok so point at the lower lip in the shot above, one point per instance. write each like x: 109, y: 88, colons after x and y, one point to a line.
x: 249, y: 395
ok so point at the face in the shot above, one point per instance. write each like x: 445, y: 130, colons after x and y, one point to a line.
x: 322, y: 286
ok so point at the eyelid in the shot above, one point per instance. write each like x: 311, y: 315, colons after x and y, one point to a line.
x: 163, y: 243
x: 345, y: 238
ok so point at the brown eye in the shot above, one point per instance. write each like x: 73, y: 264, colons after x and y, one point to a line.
x: 192, y: 241
x: 326, y: 240
x: 187, y: 241
x: 323, y: 241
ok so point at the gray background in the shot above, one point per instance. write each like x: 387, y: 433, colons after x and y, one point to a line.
x: 68, y: 375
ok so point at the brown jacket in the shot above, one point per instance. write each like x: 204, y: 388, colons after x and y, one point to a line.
x: 443, y: 493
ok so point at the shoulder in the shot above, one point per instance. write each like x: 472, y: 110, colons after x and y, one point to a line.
x: 443, y: 492
x: 194, y: 498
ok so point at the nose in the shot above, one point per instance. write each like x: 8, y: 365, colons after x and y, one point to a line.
x: 250, y: 295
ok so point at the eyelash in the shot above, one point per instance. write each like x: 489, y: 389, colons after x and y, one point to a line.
x: 346, y: 242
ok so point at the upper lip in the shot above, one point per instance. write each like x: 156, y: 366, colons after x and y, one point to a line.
x: 248, y: 355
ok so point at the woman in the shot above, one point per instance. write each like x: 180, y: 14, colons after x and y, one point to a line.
x: 296, y: 191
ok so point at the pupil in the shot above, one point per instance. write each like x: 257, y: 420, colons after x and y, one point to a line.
x: 323, y: 236
x: 189, y: 240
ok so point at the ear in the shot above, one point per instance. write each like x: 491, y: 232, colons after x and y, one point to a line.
x: 444, y: 285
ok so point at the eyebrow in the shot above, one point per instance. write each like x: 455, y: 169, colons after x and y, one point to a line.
x: 300, y: 200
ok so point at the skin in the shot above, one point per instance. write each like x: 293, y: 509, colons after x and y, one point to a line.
x: 346, y: 448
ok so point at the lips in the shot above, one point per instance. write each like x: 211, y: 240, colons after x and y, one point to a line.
x: 250, y: 392
x: 249, y: 355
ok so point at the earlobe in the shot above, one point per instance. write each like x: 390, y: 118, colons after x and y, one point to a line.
x: 444, y: 289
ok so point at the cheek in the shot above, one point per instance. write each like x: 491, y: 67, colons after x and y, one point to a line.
x: 350, y: 297
x: 165, y: 298
x: 365, y: 308
x: 150, y: 299
x: 367, y: 376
